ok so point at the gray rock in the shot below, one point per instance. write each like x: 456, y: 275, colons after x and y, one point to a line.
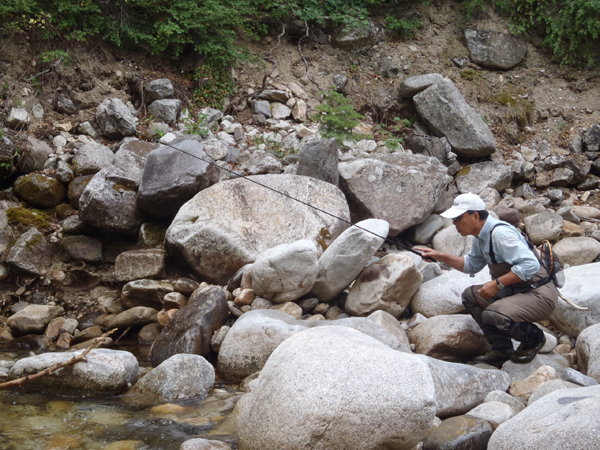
x: 424, y: 232
x: 576, y: 377
x: 31, y: 253
x: 567, y: 214
x: 450, y: 337
x: 319, y: 159
x: 261, y: 107
x: 149, y: 333
x: 145, y: 293
x: 274, y: 95
x: 215, y: 149
x: 40, y: 190
x: 446, y: 112
x: 443, y: 295
x: 354, y: 37
x: 35, y: 157
x: 157, y: 90
x: 286, y: 272
x: 73, y: 225
x: 115, y: 120
x: 103, y: 371
x: 544, y: 226
x: 136, y: 317
x: 137, y: 264
x: 515, y: 404
x: 588, y: 351
x: 204, y: 444
x: 91, y: 158
x: 81, y: 248
x: 429, y: 271
x: 179, y: 377
x: 165, y: 110
x: 33, y: 319
x: 495, y: 50
x: 191, y: 328
x: 87, y: 129
x: 561, y: 177
x: 591, y: 139
x: 279, y: 111
x: 388, y: 285
x: 371, y: 395
x: 64, y: 105
x: 477, y: 177
x: 450, y: 241
x: 214, y: 247
x: 262, y: 162
x: 413, y: 85
x: 340, y: 81
x: 109, y: 202
x: 64, y: 173
x: 76, y: 188
x: 519, y: 372
x: 17, y: 119
x: 388, y: 183
x: 343, y: 260
x: 459, y: 387
x: 494, y: 413
x: 429, y: 146
x: 255, y: 335
x: 388, y: 69
x: 548, y: 387
x: 460, y: 432
x: 577, y: 251
x: 586, y: 212
x: 562, y: 420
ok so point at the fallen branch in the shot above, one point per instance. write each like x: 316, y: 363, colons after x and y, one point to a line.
x: 81, y: 357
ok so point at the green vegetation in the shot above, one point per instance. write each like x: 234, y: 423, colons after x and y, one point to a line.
x: 201, y: 127
x: 571, y: 28
x: 518, y: 107
x: 338, y: 117
x: 215, y: 83
x: 404, y: 27
x: 395, y: 144
x: 29, y: 218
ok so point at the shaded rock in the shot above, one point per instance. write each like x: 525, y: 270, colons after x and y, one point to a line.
x: 115, y: 120
x: 477, y: 177
x: 81, y: 248
x: 388, y: 284
x: 76, y: 188
x: 354, y: 37
x: 429, y: 146
x: 180, y: 376
x: 86, y: 335
x: 39, y: 189
x: 145, y: 293
x: 319, y: 159
x: 574, y: 376
x: 495, y: 50
x: 157, y: 90
x: 103, y: 371
x: 544, y: 226
x: 274, y: 95
x: 460, y: 432
x: 286, y: 272
x: 500, y: 396
x: 443, y: 108
x: 185, y: 286
x: 92, y: 158
x: 36, y: 155
x: 424, y: 232
x: 494, y: 413
x: 382, y: 186
x: 450, y: 337
x: 165, y: 110
x: 577, y: 251
x: 33, y: 319
x: 448, y: 240
x: 137, y: 316
x: 388, y: 68
x: 174, y: 300
x: 588, y: 351
x: 229, y: 224
x: 149, y: 333
x: 191, y: 328
x: 137, y: 264
x: 548, y: 387
x: 31, y: 253
x: 64, y: 105
x: 413, y: 85
x: 342, y: 354
x: 343, y: 260
x: 261, y: 107
x: 519, y: 372
x: 152, y: 235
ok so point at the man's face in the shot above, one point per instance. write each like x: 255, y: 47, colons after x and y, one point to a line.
x: 466, y: 224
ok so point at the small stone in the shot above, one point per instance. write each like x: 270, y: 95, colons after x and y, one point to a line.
x: 525, y: 387
x: 289, y: 308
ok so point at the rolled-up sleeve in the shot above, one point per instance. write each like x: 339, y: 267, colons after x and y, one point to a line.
x: 513, y: 250
x: 474, y: 260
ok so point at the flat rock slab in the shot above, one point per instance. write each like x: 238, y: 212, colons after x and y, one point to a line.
x: 145, y: 293
x: 477, y: 177
x: 495, y: 50
x: 33, y: 319
x: 137, y: 264
x: 31, y: 253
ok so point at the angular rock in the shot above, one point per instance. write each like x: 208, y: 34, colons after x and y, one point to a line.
x: 158, y: 89
x: 81, y: 248
x: 343, y: 260
x: 279, y: 111
x: 137, y: 264
x: 495, y: 50
x: 380, y: 187
x: 104, y: 371
x: 445, y: 111
x: 577, y: 251
x: 424, y: 232
x: 290, y: 309
x: 76, y: 188
x: 172, y: 177
x: 40, y: 190
x: 477, y: 177
x: 109, y: 202
x: 191, y: 328
x: 460, y: 432
x: 544, y: 226
x: 574, y: 376
x: 413, y: 85
x: 319, y: 159
x: 299, y: 110
x: 448, y: 240
x: 262, y: 162
x: 115, y: 120
x: 92, y: 158
x: 215, y: 149
x: 33, y: 319
x: 274, y: 95
x: 145, y: 293
x: 286, y: 272
x: 388, y: 285
x: 31, y: 253
x: 372, y: 371
x: 35, y: 157
x: 261, y: 107
x: 17, y: 119
x: 165, y: 110
x: 229, y: 224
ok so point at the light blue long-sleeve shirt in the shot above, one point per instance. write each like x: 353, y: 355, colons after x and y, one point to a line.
x: 509, y: 247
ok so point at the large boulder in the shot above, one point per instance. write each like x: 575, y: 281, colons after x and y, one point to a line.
x: 518, y: 372
x: 449, y: 240
x: 580, y: 287
x: 452, y: 337
x: 446, y: 112
x: 354, y: 37
x: 319, y: 159
x: 31, y: 254
x: 33, y: 319
x: 131, y: 157
x: 229, y: 224
x: 288, y: 409
x: 286, y: 272
x: 191, y: 327
x: 115, y: 120
x: 495, y: 50
x: 567, y: 419
x: 40, y: 190
x: 424, y: 232
x: 92, y: 158
x: 443, y: 294
x: 103, y: 371
x: 179, y: 377
x: 343, y: 260
x: 158, y: 89
x: 479, y: 176
x: 256, y: 334
x: 588, y: 351
x: 109, y: 202
x: 577, y: 251
x: 388, y: 284
x: 388, y: 183
x: 413, y: 85
x: 544, y: 226
x: 165, y: 110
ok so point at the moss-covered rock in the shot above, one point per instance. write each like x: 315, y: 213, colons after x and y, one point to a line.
x: 40, y: 190
x: 76, y: 188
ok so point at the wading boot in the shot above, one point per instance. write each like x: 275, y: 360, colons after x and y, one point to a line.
x: 494, y: 357
x: 525, y: 353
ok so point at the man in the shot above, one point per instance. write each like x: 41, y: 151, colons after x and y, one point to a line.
x: 505, y: 307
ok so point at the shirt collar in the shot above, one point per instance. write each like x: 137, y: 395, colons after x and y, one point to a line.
x: 484, y: 234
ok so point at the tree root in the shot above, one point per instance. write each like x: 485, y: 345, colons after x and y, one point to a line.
x: 302, y: 56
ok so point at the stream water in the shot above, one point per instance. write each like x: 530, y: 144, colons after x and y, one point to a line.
x: 45, y: 421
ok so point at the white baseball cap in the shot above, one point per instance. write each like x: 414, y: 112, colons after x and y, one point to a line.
x: 464, y: 203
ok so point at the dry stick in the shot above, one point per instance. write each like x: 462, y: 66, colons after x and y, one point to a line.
x: 124, y: 333
x: 302, y: 56
x: 81, y: 357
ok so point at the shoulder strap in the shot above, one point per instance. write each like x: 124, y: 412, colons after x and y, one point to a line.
x: 491, y: 250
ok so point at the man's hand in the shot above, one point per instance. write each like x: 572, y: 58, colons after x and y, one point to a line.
x: 429, y: 254
x: 488, y: 290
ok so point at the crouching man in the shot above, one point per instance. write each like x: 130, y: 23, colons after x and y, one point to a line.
x: 505, y: 307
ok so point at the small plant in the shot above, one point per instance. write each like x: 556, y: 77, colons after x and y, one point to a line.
x: 9, y: 164
x: 215, y: 85
x: 270, y: 144
x: 486, y: 119
x: 338, y: 117
x: 404, y: 27
x: 201, y: 127
x: 160, y: 133
x: 403, y: 123
x: 395, y: 144
x: 55, y: 56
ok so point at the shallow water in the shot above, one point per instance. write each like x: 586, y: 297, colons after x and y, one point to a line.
x: 45, y: 421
